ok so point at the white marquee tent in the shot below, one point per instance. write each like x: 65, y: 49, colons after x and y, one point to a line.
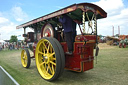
x: 2, y: 41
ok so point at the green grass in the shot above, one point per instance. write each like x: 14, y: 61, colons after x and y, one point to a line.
x: 111, y: 69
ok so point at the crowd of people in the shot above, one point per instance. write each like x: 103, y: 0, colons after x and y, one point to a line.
x: 9, y: 46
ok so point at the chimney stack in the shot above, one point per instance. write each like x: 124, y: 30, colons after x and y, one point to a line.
x: 119, y: 30
x: 113, y: 31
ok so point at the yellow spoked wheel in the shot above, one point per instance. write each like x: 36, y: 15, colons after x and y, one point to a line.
x: 25, y: 58
x: 50, y: 58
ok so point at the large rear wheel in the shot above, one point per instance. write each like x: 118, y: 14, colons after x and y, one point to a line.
x: 50, y: 58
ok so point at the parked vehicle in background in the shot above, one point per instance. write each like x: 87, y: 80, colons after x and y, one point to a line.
x: 123, y: 41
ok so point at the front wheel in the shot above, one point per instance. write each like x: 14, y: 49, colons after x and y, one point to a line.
x: 25, y: 58
x: 50, y: 58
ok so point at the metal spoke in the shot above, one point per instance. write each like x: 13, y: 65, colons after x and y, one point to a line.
x: 24, y: 61
x: 52, y: 54
x: 40, y: 52
x: 42, y: 63
x: 53, y: 69
x: 44, y: 45
x: 53, y: 63
x: 45, y: 68
x: 48, y: 48
x: 53, y: 58
x: 25, y: 57
x: 42, y: 58
x: 23, y: 54
x: 49, y: 68
x: 44, y: 50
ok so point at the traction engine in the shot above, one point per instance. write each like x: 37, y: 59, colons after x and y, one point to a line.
x: 49, y: 46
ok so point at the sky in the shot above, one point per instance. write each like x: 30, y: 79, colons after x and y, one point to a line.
x: 16, y: 12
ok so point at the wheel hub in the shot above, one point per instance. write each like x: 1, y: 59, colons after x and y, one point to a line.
x: 47, y: 58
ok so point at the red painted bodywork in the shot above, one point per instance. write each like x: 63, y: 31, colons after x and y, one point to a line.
x: 82, y: 58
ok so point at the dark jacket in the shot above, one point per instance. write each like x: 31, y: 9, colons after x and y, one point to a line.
x: 67, y: 23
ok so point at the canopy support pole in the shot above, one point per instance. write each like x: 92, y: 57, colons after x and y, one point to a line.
x: 24, y: 32
x: 83, y: 21
x: 95, y: 28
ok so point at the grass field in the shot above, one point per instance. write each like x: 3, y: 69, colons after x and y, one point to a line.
x: 111, y: 69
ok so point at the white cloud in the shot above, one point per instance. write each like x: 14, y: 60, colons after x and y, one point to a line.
x: 18, y: 13
x: 9, y: 29
x: 124, y: 12
x: 117, y: 15
x: 3, y: 20
x: 110, y: 5
x: 7, y: 26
